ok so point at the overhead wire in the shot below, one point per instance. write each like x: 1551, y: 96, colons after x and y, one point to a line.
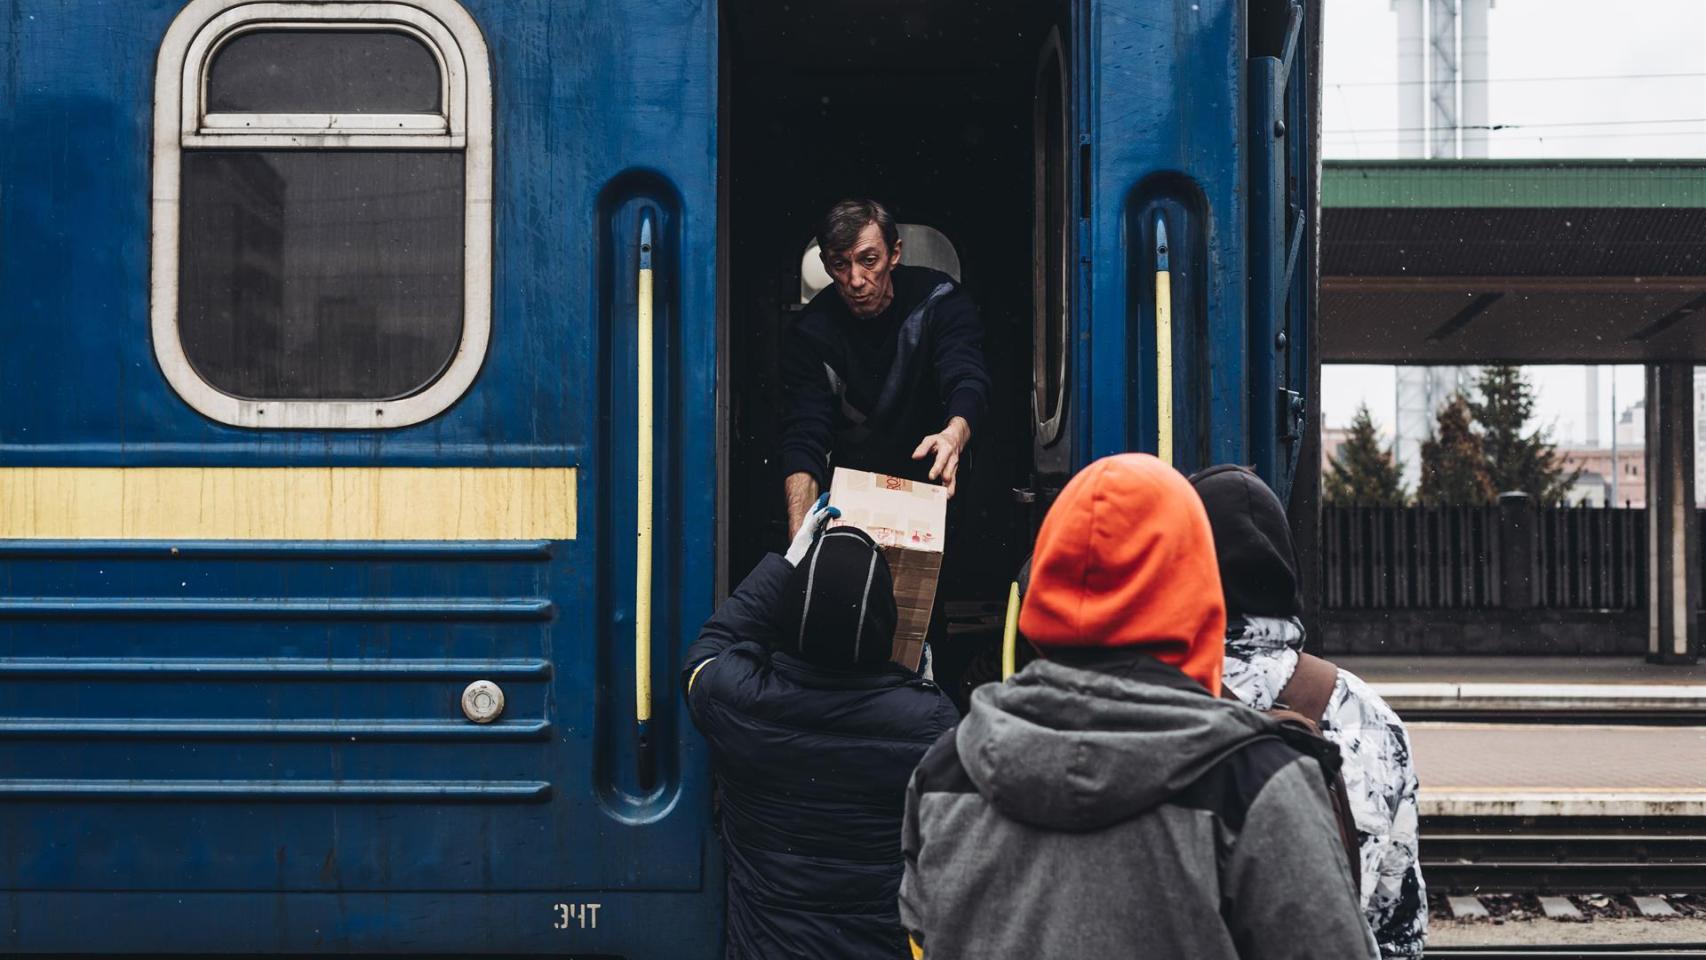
x: 1537, y: 137
x: 1494, y: 127
x: 1557, y: 79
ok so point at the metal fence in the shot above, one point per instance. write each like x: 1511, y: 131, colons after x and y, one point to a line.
x: 1395, y: 558
x: 1592, y: 559
x: 1392, y: 558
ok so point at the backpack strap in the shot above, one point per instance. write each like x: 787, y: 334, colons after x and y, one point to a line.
x: 1304, y: 735
x: 1302, y: 732
x: 1310, y: 688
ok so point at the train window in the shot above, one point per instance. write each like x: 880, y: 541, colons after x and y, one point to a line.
x: 297, y: 299
x: 920, y: 246
x: 323, y: 71
x: 322, y: 213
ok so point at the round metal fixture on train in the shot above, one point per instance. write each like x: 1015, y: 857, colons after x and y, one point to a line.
x: 482, y: 701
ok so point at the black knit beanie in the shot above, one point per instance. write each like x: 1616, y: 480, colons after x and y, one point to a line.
x: 838, y: 608
x: 1252, y: 541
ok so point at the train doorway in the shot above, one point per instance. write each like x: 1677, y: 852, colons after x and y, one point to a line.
x: 957, y: 116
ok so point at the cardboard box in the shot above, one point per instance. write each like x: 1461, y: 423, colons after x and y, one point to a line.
x: 909, y: 519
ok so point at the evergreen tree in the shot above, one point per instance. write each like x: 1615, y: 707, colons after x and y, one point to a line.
x: 1454, y: 466
x: 1361, y: 472
x: 1517, y: 460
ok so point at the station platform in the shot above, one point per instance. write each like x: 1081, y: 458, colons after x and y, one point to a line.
x: 1577, y: 689
x: 1505, y: 770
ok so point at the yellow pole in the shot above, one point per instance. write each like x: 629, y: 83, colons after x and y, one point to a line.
x: 1163, y: 346
x: 643, y: 479
x: 1010, y: 633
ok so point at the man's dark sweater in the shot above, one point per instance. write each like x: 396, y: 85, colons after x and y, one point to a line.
x: 898, y: 377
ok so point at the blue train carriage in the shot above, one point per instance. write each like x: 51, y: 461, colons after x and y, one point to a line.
x: 390, y: 389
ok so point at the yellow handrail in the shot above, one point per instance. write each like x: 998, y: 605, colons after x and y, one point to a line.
x: 1010, y: 633
x: 643, y: 516
x: 1163, y: 346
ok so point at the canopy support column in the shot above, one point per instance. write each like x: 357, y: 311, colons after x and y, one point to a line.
x: 1673, y: 538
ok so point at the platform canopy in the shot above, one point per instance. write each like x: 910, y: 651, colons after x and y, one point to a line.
x: 1476, y: 261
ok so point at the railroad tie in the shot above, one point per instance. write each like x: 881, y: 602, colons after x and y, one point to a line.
x: 1467, y: 908
x: 1559, y: 908
x: 1654, y: 908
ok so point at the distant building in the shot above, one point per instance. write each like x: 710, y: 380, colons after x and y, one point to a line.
x: 1589, y: 490
x: 1332, y: 438
x: 1596, y: 465
x: 1632, y: 425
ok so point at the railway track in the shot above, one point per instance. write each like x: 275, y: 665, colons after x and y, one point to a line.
x: 1673, y: 951
x: 1690, y: 716
x: 1565, y: 855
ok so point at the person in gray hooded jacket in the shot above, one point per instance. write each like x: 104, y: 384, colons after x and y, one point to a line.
x: 1105, y: 801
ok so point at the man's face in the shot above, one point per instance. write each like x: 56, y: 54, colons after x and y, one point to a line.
x: 864, y: 273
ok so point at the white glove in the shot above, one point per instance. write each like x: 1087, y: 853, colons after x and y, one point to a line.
x: 819, y: 515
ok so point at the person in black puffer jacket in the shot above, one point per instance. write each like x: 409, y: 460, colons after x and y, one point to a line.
x: 814, y: 732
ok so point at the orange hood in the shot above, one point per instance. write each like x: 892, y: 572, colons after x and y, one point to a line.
x: 1125, y: 558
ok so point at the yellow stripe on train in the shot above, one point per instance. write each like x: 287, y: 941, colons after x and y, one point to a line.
x: 287, y: 503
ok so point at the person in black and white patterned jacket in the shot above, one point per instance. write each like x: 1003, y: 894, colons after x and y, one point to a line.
x: 1258, y: 572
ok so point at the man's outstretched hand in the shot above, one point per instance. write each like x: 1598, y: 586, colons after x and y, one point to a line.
x: 947, y: 447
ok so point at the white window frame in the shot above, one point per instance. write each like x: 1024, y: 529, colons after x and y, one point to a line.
x: 463, y: 124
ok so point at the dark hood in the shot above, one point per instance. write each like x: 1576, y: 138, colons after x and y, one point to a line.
x: 1252, y: 542
x: 1082, y: 747
x: 838, y: 607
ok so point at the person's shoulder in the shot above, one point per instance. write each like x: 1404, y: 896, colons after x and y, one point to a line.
x: 1371, y: 709
x: 821, y: 317
x: 903, y: 712
x: 1356, y: 688
x: 923, y: 280
x: 732, y: 676
x: 913, y: 710
x: 1231, y: 787
x: 940, y: 769
x: 825, y: 303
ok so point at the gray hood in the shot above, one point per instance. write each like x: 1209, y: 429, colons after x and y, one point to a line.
x: 1079, y: 748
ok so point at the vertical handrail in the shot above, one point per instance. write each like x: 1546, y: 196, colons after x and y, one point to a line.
x: 1163, y: 345
x: 643, y: 514
x: 1010, y: 632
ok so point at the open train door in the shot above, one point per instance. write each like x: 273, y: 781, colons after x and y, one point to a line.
x: 1054, y: 274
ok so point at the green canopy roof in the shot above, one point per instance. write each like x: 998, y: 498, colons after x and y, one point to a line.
x: 1529, y: 184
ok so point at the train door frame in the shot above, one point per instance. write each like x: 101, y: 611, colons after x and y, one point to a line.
x: 1051, y: 417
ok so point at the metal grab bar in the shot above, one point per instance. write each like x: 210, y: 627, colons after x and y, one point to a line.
x: 1010, y: 632
x: 643, y: 515
x: 1163, y: 346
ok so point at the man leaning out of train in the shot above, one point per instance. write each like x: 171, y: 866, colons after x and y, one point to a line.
x: 813, y: 733
x: 1265, y: 665
x: 1105, y: 801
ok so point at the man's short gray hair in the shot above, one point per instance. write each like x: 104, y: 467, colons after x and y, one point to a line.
x: 841, y: 226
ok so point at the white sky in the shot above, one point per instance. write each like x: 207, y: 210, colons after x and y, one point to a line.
x: 1573, y: 78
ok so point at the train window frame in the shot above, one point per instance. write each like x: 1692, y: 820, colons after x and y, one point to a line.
x: 462, y: 124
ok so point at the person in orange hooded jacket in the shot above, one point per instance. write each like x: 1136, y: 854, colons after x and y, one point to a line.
x: 1105, y: 801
